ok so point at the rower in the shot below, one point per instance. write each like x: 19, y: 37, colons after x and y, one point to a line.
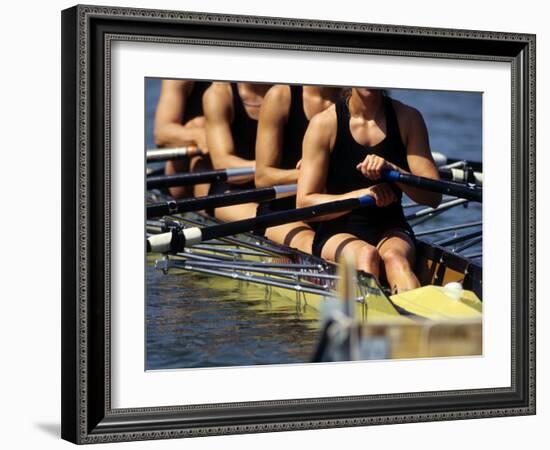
x: 346, y: 149
x: 231, y: 113
x: 179, y: 121
x: 284, y: 117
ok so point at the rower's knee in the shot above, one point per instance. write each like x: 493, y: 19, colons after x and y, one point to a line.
x: 302, y: 240
x: 395, y: 260
x: 368, y: 258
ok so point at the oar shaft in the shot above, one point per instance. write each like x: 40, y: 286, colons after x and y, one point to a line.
x: 444, y: 187
x: 167, y: 154
x: 189, y: 179
x: 219, y: 200
x: 177, y: 240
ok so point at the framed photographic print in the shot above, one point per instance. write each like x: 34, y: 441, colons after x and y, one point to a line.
x: 281, y: 224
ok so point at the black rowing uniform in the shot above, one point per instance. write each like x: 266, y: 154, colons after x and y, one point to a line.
x: 293, y: 136
x: 243, y: 131
x: 370, y: 223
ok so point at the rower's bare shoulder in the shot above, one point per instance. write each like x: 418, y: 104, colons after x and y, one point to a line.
x: 325, y: 121
x: 412, y: 127
x: 277, y: 100
x: 322, y: 127
x: 177, y: 87
x: 407, y: 115
x: 217, y: 98
x: 278, y: 93
x: 218, y: 90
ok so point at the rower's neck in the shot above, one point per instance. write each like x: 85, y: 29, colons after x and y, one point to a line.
x: 368, y: 108
x: 317, y: 99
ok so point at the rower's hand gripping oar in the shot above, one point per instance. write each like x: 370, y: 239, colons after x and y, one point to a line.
x: 466, y: 191
x: 177, y: 240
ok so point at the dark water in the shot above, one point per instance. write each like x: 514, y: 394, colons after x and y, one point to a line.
x: 192, y: 321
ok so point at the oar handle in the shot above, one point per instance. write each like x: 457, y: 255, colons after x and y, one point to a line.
x: 366, y: 200
x: 168, y: 154
x: 177, y: 240
x: 465, y: 191
x: 189, y: 179
x: 391, y: 175
x: 284, y: 190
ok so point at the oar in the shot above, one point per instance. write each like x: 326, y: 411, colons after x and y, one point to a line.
x: 461, y: 175
x: 218, y: 200
x: 466, y: 191
x: 461, y: 171
x: 166, y: 154
x: 177, y: 240
x: 441, y: 161
x: 189, y: 179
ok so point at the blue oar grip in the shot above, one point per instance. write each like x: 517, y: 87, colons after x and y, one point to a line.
x: 367, y: 200
x: 391, y: 175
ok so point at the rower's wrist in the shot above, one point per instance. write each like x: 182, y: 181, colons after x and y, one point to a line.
x: 395, y: 167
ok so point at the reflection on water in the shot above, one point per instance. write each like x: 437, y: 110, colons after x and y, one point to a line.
x: 194, y: 320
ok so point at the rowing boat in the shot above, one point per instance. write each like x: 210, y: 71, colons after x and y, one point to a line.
x: 310, y: 282
x: 441, y: 318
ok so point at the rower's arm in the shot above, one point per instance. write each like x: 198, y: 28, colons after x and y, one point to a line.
x: 318, y: 143
x: 218, y: 114
x: 419, y: 157
x: 169, y: 131
x: 269, y: 141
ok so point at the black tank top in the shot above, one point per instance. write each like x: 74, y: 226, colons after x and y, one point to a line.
x: 295, y: 129
x: 193, y: 105
x: 343, y: 176
x: 243, y: 128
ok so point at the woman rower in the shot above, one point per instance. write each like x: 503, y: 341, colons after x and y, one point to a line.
x: 179, y: 121
x: 284, y: 117
x: 345, y: 150
x: 231, y: 112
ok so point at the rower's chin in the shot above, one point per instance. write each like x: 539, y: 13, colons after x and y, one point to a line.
x: 367, y: 93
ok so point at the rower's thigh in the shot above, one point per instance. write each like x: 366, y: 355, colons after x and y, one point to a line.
x: 343, y: 243
x: 297, y: 234
x: 236, y: 212
x: 397, y: 243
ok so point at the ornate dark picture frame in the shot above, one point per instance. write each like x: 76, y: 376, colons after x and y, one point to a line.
x: 87, y: 34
